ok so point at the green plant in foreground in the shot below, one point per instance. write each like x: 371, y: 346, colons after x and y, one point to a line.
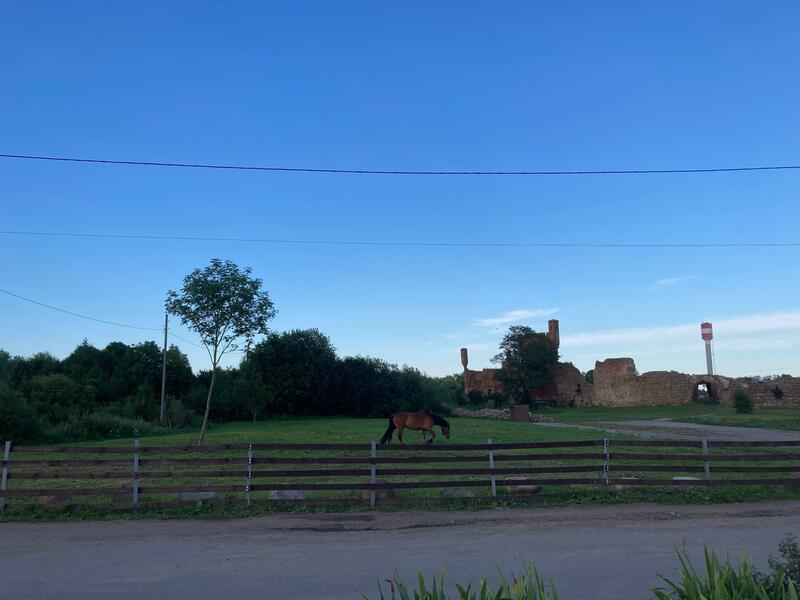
x: 789, y: 566
x: 723, y: 581
x: 529, y: 586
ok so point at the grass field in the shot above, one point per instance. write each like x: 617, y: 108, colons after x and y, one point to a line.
x: 464, y: 430
x: 771, y: 418
x: 350, y: 430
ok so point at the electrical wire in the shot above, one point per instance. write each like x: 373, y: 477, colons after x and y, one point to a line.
x: 285, y: 241
x: 183, y: 339
x: 273, y: 169
x: 74, y: 314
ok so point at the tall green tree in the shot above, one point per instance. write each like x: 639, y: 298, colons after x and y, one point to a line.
x: 528, y: 360
x: 296, y: 370
x: 227, y: 309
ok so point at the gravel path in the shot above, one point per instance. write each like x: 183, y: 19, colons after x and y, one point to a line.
x: 594, y: 552
x: 666, y: 429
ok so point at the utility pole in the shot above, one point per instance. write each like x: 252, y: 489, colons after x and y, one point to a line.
x: 164, y: 374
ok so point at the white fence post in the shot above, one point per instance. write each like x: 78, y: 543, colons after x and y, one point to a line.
x: 491, y: 466
x: 373, y: 475
x: 706, y: 463
x: 4, y: 480
x: 249, y: 481
x: 136, y: 471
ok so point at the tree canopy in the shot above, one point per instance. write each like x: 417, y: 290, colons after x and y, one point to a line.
x: 226, y: 307
x: 528, y: 360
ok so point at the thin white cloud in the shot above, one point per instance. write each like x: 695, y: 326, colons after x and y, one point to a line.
x: 746, y: 331
x: 514, y: 316
x: 669, y: 282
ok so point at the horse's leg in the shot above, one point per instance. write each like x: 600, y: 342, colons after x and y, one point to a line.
x: 400, y: 429
x: 433, y: 435
x: 423, y: 435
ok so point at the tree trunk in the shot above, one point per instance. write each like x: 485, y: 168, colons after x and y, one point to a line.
x: 208, y: 406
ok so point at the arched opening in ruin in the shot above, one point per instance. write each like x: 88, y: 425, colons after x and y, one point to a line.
x: 705, y: 392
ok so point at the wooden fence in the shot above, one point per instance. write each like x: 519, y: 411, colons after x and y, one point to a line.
x: 137, y: 476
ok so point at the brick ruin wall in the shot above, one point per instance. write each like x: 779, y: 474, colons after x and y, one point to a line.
x: 616, y: 383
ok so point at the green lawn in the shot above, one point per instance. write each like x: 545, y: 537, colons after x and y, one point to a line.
x: 771, y: 418
x: 350, y: 430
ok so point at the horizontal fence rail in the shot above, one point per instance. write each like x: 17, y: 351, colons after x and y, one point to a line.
x: 158, y: 476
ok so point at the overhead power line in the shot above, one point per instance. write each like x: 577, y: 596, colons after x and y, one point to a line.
x: 74, y: 314
x: 87, y: 317
x: 274, y: 169
x: 183, y: 339
x: 188, y: 238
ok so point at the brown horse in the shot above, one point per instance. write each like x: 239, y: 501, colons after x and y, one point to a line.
x: 423, y: 420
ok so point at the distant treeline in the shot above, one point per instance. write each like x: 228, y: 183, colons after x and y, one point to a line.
x: 115, y: 391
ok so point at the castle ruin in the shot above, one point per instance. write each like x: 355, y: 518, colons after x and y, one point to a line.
x: 616, y: 382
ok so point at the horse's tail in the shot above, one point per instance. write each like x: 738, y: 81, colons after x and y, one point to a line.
x: 387, y: 437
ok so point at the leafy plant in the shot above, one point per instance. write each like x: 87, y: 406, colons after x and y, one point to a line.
x: 742, y: 402
x: 723, y: 581
x: 529, y: 586
x: 777, y: 392
x: 790, y: 565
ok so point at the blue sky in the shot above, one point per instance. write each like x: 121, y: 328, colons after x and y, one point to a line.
x: 411, y: 85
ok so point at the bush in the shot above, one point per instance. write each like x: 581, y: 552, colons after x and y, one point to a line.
x: 18, y: 419
x: 475, y: 398
x: 98, y: 426
x: 497, y: 400
x: 177, y: 415
x: 777, y: 392
x: 789, y: 567
x: 723, y: 581
x: 529, y: 586
x: 743, y: 402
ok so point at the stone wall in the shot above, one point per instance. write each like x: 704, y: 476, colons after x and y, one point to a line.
x: 616, y: 383
x: 482, y: 381
x: 570, y: 385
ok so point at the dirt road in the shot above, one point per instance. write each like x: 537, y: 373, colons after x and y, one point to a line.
x: 596, y: 553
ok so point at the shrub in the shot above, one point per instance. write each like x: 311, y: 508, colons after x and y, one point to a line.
x: 777, y: 392
x: 475, y: 398
x: 177, y: 415
x: 743, y: 402
x: 98, y: 426
x: 497, y: 400
x: 18, y: 419
x: 723, y: 581
x: 529, y: 586
x: 789, y: 567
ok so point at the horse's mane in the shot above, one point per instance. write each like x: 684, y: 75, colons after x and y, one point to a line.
x: 438, y: 419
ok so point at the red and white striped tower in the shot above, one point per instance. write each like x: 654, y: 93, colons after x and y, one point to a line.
x: 707, y: 333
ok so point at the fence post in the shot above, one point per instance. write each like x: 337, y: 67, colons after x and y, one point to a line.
x: 373, y: 474
x: 491, y: 466
x: 606, y: 458
x: 249, y: 481
x: 706, y: 463
x: 136, y: 471
x: 4, y: 480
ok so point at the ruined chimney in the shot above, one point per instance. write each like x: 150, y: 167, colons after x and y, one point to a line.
x: 464, y: 358
x: 552, y: 332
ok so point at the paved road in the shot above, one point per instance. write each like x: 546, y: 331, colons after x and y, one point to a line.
x: 595, y: 553
x: 677, y: 430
